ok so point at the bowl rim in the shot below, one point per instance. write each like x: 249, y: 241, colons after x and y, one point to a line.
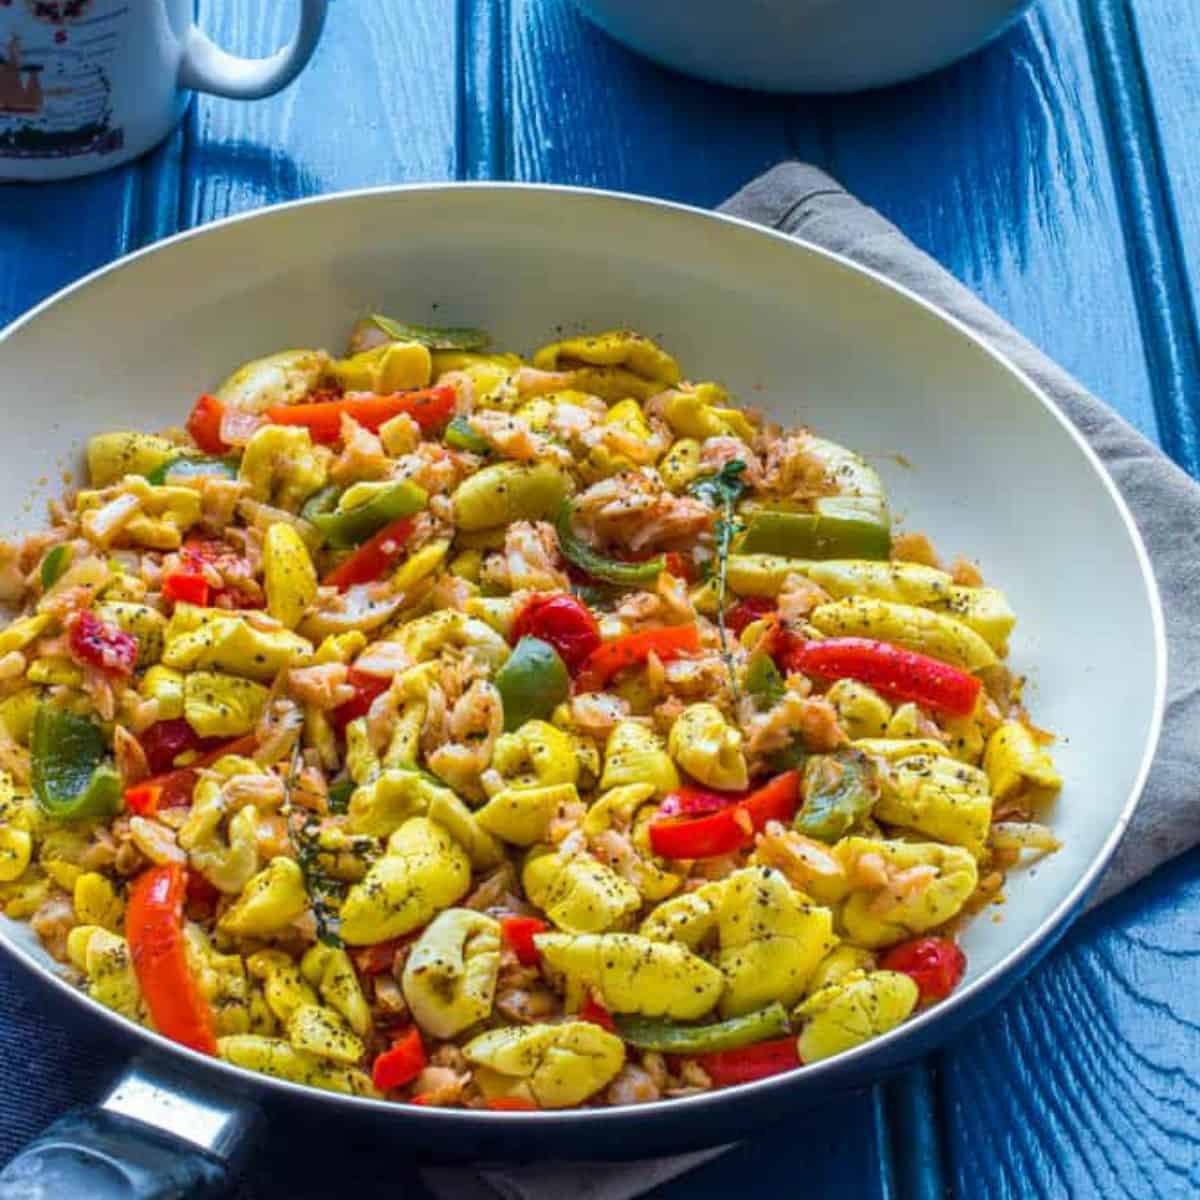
x: 851, y: 1062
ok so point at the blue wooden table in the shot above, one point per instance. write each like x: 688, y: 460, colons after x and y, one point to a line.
x: 1058, y: 174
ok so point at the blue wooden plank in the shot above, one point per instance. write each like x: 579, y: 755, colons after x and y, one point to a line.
x: 376, y: 105
x: 1146, y: 61
x: 999, y: 168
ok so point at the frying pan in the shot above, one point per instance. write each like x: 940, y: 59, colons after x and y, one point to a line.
x: 970, y: 451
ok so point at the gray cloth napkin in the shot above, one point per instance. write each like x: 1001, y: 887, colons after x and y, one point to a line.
x: 801, y: 200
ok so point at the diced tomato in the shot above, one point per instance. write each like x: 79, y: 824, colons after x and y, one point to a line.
x: 366, y: 688
x: 731, y: 827
x: 596, y: 1014
x: 746, y: 612
x: 143, y: 799
x: 429, y: 407
x: 204, y: 425
x: 374, y: 557
x: 188, y: 586
x: 511, y: 1104
x: 165, y: 741
x: 519, y: 933
x: 667, y: 642
x: 727, y: 1067
x: 679, y: 565
x: 563, y: 621
x: 935, y: 964
x: 96, y: 643
x: 402, y: 1063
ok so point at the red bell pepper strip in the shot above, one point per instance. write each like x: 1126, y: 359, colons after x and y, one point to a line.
x: 898, y: 673
x: 595, y: 1013
x: 746, y: 612
x: 563, y: 622
x: 154, y: 927
x: 730, y: 828
x: 727, y: 1067
x: 373, y: 558
x: 668, y: 642
x: 519, y: 932
x: 204, y: 425
x: 187, y: 586
x: 429, y: 407
x: 402, y: 1063
x: 511, y: 1104
x: 935, y: 964
x: 173, y: 789
x: 366, y: 688
x: 96, y: 643
x: 695, y: 802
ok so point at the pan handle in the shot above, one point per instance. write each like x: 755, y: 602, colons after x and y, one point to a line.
x: 157, y: 1136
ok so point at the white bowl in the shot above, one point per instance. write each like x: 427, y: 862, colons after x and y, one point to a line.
x: 804, y: 45
x: 989, y: 469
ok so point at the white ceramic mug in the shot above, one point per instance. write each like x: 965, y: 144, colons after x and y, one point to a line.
x: 88, y: 84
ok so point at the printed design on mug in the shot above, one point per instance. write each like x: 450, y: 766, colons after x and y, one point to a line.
x: 55, y: 95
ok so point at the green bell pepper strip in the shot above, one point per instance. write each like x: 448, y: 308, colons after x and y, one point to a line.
x: 57, y: 560
x: 345, y: 529
x: 188, y: 466
x: 833, y: 531
x: 71, y: 780
x: 669, y: 1038
x: 763, y: 681
x: 460, y: 436
x: 532, y: 682
x: 839, y: 789
x: 577, y: 551
x: 323, y: 500
x: 339, y: 795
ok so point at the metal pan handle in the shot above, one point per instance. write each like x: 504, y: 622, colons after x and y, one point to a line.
x: 156, y: 1136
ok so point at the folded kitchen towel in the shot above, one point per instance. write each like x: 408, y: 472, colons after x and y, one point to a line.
x: 801, y: 200
x: 53, y: 1056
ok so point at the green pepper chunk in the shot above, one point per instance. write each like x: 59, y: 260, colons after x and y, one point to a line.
x: 323, y: 500
x: 189, y: 466
x: 431, y: 336
x: 345, y: 529
x: 532, y: 682
x: 611, y: 570
x: 57, y: 560
x: 460, y: 436
x: 71, y: 780
x: 837, y: 529
x: 840, y: 789
x: 339, y: 795
x: 763, y: 681
x: 667, y: 1037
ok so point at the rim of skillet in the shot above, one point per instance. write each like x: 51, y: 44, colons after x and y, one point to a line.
x: 1053, y: 924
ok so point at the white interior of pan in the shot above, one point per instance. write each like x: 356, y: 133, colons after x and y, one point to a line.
x: 992, y: 473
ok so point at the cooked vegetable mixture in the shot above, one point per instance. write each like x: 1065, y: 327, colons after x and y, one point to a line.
x: 435, y: 724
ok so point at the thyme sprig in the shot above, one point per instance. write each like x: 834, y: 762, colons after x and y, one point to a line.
x: 325, y: 893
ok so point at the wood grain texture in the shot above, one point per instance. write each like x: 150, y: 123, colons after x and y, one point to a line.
x: 1145, y: 60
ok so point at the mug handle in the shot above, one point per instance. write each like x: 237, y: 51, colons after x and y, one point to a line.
x: 208, y: 68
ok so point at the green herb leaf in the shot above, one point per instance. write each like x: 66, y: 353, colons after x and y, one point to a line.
x: 57, y: 560
x: 431, y: 336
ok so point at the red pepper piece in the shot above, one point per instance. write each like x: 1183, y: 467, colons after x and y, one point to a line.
x: 730, y: 828
x: 519, y: 932
x: 143, y: 798
x: 564, y: 622
x: 595, y: 1013
x: 204, y: 425
x: 187, y: 586
x: 374, y: 557
x: 374, y: 960
x: 402, y: 1063
x: 668, y: 642
x: 727, y: 1067
x: 366, y: 688
x: 176, y: 787
x: 154, y: 927
x: 96, y: 643
x: 511, y: 1104
x: 165, y: 741
x: 695, y: 802
x: 746, y: 612
x: 900, y: 674
x: 935, y: 964
x: 429, y: 407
